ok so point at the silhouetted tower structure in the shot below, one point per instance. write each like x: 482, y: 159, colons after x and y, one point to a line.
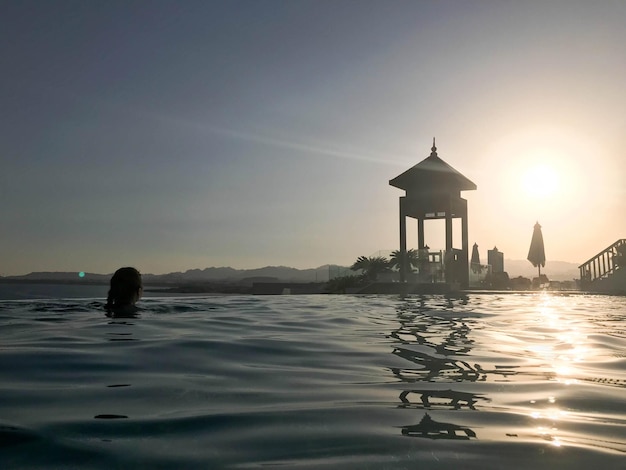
x: 433, y: 191
x: 496, y: 259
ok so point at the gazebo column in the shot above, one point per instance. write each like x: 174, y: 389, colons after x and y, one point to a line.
x: 448, y: 230
x: 465, y: 245
x: 402, y: 241
x: 420, y: 233
x: 448, y: 257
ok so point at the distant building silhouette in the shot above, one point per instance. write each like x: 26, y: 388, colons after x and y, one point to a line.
x: 496, y: 259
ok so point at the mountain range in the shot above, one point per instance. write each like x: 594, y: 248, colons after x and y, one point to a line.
x: 555, y: 270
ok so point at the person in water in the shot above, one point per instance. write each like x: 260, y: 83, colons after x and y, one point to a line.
x: 126, y: 289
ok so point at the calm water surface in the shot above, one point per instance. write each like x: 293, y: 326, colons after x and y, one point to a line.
x: 379, y: 382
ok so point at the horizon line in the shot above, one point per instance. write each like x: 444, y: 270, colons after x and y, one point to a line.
x: 323, y: 266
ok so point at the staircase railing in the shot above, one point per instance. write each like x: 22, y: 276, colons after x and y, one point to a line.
x: 600, y: 266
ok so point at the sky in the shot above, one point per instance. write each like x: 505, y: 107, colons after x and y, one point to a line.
x: 173, y: 135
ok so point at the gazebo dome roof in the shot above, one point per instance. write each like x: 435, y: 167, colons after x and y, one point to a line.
x: 432, y: 174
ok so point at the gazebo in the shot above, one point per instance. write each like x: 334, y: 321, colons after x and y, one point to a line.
x: 433, y: 191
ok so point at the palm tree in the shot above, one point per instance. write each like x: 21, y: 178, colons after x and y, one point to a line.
x: 411, y: 257
x: 371, y: 267
x: 361, y: 263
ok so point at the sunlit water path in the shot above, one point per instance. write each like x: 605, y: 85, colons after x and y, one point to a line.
x: 483, y: 381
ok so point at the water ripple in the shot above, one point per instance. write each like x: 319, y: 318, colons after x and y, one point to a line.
x: 492, y: 381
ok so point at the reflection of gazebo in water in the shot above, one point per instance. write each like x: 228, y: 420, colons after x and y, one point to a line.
x: 433, y: 191
x: 432, y: 429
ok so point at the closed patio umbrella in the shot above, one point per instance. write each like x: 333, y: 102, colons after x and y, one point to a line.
x: 536, y: 253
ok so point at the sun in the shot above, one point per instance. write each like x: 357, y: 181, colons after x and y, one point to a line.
x: 541, y: 174
x: 540, y: 181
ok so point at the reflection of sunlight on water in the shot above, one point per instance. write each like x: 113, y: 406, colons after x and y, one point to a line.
x: 551, y: 415
x: 537, y: 359
x: 562, y: 344
x: 546, y: 435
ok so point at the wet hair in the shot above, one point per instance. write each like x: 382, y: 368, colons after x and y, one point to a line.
x: 125, y: 285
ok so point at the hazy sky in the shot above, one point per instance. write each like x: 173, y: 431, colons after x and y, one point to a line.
x: 181, y: 134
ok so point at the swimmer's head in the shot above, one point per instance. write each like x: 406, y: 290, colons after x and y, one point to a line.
x: 126, y: 288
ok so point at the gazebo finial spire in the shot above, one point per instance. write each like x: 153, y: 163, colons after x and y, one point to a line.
x: 433, y: 148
